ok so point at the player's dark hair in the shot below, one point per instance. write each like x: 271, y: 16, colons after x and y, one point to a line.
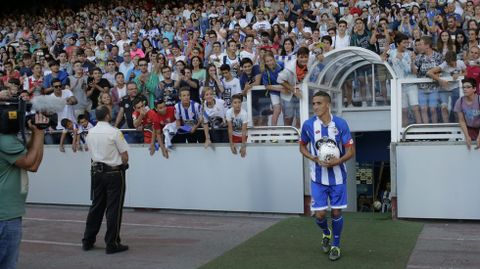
x: 323, y: 94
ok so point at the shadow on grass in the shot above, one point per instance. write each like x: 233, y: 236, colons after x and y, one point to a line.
x: 368, y: 241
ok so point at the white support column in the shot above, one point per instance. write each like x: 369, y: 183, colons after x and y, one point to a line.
x: 395, y: 87
x: 374, y: 101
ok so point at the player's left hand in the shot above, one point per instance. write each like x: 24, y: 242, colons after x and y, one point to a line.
x: 478, y: 143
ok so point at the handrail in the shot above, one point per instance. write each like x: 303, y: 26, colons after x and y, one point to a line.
x: 199, y: 128
x: 428, y: 125
x: 274, y: 128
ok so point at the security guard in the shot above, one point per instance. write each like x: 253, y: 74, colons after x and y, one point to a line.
x: 109, y: 162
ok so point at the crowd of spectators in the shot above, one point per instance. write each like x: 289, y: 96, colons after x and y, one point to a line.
x: 156, y: 64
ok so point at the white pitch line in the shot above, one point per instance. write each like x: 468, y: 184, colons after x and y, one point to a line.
x: 131, y: 224
x: 450, y: 238
x: 51, y: 243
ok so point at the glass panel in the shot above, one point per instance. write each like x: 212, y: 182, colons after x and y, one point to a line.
x: 261, y: 108
x: 381, y: 87
x: 354, y: 88
x: 315, y: 72
x: 334, y: 106
x: 428, y: 103
x: 338, y: 69
x: 340, y: 72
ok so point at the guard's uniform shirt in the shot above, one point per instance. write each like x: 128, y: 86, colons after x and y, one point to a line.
x: 106, y: 143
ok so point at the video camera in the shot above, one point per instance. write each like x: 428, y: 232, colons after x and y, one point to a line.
x: 16, y: 112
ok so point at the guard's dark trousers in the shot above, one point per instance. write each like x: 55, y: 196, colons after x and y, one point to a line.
x: 108, y: 187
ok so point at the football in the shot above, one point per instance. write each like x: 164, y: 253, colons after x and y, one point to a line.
x: 377, y: 205
x: 328, y: 151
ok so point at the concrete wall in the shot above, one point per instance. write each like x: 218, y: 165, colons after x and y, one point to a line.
x: 437, y: 180
x: 269, y: 179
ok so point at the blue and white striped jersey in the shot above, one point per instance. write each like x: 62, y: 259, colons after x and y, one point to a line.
x: 189, y: 116
x: 314, y: 132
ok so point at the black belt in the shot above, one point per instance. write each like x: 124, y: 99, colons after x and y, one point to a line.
x: 103, y: 167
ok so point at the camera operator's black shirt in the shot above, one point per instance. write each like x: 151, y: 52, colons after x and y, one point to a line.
x: 127, y: 104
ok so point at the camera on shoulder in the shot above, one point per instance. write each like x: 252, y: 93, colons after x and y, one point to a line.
x: 15, y: 112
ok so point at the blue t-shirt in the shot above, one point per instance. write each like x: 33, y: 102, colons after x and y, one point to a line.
x: 245, y: 78
x: 62, y: 76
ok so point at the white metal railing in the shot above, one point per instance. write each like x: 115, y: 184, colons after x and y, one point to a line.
x: 273, y: 134
x: 433, y: 132
x: 256, y: 134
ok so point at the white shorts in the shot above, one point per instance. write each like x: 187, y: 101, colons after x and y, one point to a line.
x: 409, y: 96
x: 275, y: 99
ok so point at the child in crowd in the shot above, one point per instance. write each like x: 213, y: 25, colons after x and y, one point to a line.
x: 213, y: 117
x: 83, y: 126
x: 237, y: 122
x: 72, y: 128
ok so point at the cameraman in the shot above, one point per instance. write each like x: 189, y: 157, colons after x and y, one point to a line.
x: 15, y: 161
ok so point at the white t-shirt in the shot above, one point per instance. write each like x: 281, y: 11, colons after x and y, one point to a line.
x: 246, y: 54
x: 261, y: 26
x: 237, y: 120
x: 233, y: 63
x: 120, y: 45
x: 122, y: 91
x: 67, y: 111
x: 217, y: 111
x: 284, y: 23
x: 339, y: 42
x: 242, y: 22
x: 110, y: 77
x: 231, y: 88
x: 448, y: 71
x: 186, y: 14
